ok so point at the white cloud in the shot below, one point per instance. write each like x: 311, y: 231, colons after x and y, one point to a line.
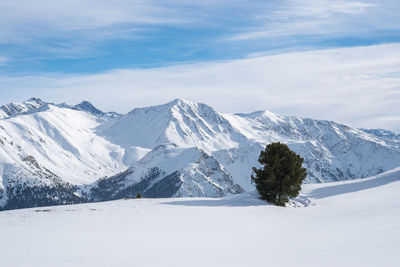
x: 71, y: 28
x: 333, y: 18
x: 78, y: 28
x: 358, y: 86
x: 47, y: 17
x: 24, y: 21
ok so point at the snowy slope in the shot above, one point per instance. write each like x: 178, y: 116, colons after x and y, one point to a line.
x: 143, y: 150
x: 388, y: 136
x: 65, y: 150
x: 13, y: 109
x: 180, y: 122
x: 30, y: 184
x: 353, y: 223
x: 64, y: 141
x: 169, y: 171
x: 332, y: 151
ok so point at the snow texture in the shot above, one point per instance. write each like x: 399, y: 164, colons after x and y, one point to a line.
x: 350, y: 223
x: 181, y: 148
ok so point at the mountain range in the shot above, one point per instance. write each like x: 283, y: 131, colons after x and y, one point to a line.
x: 53, y: 154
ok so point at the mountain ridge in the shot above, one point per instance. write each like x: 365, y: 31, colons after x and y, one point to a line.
x: 94, y: 152
x: 35, y: 104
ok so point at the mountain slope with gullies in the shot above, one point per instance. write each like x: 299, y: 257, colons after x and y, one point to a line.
x: 181, y: 148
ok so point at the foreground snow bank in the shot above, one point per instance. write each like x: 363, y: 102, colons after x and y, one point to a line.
x: 347, y: 224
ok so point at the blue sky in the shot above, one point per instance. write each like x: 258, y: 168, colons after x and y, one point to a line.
x: 91, y: 36
x: 45, y: 44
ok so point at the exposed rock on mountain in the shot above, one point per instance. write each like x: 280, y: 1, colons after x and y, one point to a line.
x: 55, y: 154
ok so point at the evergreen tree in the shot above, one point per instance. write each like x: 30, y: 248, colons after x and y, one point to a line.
x: 281, y: 176
x: 138, y: 195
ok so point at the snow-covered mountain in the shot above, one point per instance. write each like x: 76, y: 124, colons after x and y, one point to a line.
x: 169, y: 171
x: 177, y: 149
x: 332, y: 151
x: 386, y: 135
x: 13, y: 109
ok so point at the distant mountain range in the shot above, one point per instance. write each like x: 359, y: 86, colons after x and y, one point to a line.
x: 54, y: 154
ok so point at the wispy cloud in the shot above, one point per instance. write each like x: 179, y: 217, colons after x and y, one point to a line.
x: 24, y: 20
x: 321, y: 17
x: 359, y: 86
x: 74, y: 27
x: 53, y: 29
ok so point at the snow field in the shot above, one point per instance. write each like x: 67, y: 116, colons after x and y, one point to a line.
x: 355, y: 223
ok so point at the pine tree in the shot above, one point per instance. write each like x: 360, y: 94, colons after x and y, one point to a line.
x: 281, y: 176
x: 138, y: 195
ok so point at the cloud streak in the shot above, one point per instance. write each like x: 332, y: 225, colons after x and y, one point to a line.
x: 46, y: 29
x: 59, y: 29
x: 25, y: 20
x: 359, y: 86
x: 322, y: 18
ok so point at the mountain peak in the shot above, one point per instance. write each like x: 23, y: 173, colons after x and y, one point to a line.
x: 190, y: 105
x: 13, y: 109
x: 35, y: 100
x: 180, y: 101
x: 180, y: 121
x: 88, y: 107
x: 176, y: 104
x: 263, y: 115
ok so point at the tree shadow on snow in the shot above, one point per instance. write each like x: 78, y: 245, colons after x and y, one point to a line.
x: 344, y: 188
x: 218, y: 202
